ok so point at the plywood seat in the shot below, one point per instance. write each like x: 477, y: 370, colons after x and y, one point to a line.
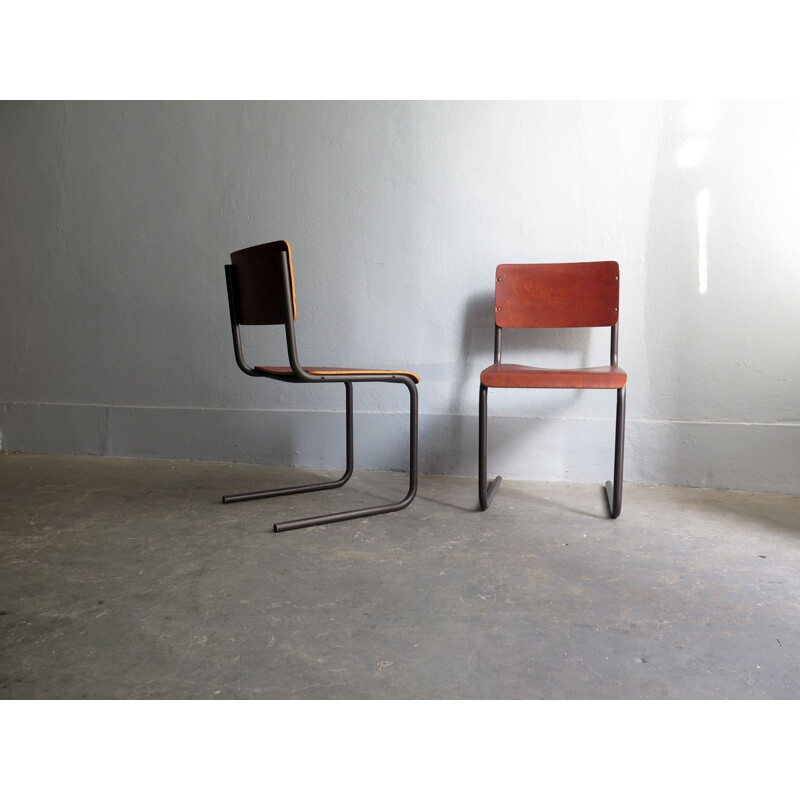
x: 285, y: 371
x: 519, y: 376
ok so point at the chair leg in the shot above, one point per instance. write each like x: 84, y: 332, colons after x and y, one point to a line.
x: 342, y: 516
x: 485, y: 492
x: 614, y: 490
x: 311, y: 487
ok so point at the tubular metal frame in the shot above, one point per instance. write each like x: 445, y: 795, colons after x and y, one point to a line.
x: 613, y: 489
x: 300, y: 375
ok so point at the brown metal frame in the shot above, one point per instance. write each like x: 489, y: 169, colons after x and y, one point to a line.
x: 300, y: 375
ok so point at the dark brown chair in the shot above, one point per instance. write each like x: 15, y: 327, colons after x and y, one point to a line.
x: 261, y: 292
x: 555, y: 296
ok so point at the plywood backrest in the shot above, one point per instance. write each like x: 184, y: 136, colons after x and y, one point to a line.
x: 578, y: 295
x: 257, y: 284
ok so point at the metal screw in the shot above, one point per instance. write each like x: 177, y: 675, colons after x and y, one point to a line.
x: 498, y: 280
x: 616, y: 309
x: 498, y: 308
x: 616, y: 277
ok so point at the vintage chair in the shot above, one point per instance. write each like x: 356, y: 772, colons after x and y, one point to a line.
x: 554, y: 296
x: 261, y: 292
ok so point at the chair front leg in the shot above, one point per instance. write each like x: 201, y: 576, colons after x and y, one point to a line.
x: 614, y: 490
x: 485, y: 491
x: 311, y: 487
x: 341, y: 516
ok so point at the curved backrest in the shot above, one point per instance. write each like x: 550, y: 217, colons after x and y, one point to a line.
x: 256, y: 280
x: 581, y: 295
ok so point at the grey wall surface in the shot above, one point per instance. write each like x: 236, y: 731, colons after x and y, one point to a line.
x: 117, y: 219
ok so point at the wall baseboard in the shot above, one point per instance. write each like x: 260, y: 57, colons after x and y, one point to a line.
x: 760, y: 457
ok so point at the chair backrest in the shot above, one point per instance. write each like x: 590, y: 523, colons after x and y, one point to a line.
x: 256, y: 284
x: 581, y: 295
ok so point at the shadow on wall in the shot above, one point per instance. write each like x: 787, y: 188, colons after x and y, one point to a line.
x: 445, y: 437
x: 448, y: 436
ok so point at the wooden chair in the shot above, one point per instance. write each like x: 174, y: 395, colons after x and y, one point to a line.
x: 261, y: 292
x: 555, y: 296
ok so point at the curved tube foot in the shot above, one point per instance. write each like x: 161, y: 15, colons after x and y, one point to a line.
x: 614, y: 502
x: 487, y: 495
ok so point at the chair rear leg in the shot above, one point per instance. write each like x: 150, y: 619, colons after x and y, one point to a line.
x: 614, y: 491
x: 311, y: 487
x: 342, y: 516
x: 485, y: 492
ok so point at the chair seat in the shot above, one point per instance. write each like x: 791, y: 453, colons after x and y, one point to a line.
x: 286, y: 371
x: 518, y: 376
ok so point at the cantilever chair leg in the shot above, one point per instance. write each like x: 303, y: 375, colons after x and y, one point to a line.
x: 485, y: 492
x: 341, y: 516
x: 311, y: 487
x: 614, y: 490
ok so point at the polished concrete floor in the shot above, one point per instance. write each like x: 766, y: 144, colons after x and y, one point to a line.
x: 127, y: 578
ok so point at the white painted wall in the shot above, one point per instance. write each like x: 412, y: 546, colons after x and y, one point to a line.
x: 118, y: 218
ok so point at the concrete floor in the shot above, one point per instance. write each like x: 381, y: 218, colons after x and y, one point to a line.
x: 127, y: 578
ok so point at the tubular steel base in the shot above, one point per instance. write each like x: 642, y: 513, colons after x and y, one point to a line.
x: 486, y: 491
x: 487, y: 495
x: 342, y: 516
x: 311, y: 487
x: 610, y: 499
x: 614, y: 490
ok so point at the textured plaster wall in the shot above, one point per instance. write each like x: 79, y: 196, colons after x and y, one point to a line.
x: 117, y: 218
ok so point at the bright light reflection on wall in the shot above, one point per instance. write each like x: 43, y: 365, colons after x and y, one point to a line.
x: 702, y: 113
x: 700, y: 116
x: 702, y: 239
x: 692, y: 153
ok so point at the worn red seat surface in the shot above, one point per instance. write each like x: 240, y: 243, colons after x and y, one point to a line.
x: 519, y: 376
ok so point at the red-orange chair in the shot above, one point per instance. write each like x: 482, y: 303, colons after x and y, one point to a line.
x: 555, y: 296
x: 261, y: 292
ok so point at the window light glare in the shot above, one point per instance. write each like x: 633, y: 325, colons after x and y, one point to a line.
x: 702, y: 240
x: 692, y: 153
x: 702, y: 114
